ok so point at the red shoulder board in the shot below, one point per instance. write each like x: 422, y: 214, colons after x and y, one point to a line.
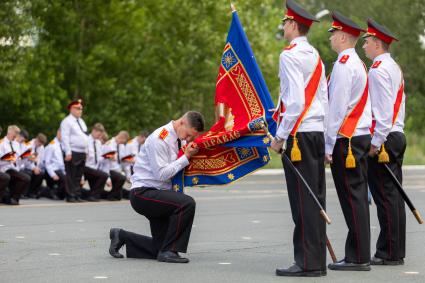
x: 163, y: 134
x: 376, y: 64
x: 344, y: 59
x: 290, y: 46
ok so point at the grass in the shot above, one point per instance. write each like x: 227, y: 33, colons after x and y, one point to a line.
x: 415, y: 152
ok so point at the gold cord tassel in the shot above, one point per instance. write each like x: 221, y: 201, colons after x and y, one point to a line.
x: 295, y: 152
x: 350, y: 161
x: 383, y: 156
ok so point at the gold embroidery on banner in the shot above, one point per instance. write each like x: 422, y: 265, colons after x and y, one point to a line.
x: 247, y: 91
x: 213, y: 163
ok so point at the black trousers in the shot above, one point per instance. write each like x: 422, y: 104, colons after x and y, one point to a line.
x: 391, y: 244
x: 35, y: 182
x: 170, y: 215
x: 58, y: 188
x: 118, y: 181
x: 351, y: 187
x: 309, y: 237
x: 74, y: 172
x: 4, y: 182
x: 97, y: 180
x: 18, y: 182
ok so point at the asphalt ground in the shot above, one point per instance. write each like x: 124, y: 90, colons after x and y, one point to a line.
x: 242, y: 233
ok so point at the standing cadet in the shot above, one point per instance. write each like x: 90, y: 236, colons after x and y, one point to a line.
x: 74, y: 143
x: 9, y: 153
x: 348, y: 141
x: 386, y: 87
x: 301, y: 111
x: 170, y: 213
x: 96, y: 177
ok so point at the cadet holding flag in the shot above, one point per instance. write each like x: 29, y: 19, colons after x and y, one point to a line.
x: 301, y: 111
x: 348, y: 141
x: 386, y: 87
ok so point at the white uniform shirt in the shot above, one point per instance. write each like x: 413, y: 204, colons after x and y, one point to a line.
x: 94, y: 153
x: 74, y: 137
x: 39, y: 152
x: 347, y: 83
x: 25, y: 163
x: 296, y: 66
x: 53, y: 158
x: 7, y: 146
x: 157, y: 161
x: 384, y: 83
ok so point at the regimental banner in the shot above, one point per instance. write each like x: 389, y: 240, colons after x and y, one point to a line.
x: 235, y: 145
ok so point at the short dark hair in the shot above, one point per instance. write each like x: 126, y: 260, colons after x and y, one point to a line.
x: 384, y: 45
x: 196, y: 120
x: 144, y: 134
x: 24, y: 134
x: 42, y: 138
x: 302, y: 28
x: 98, y: 127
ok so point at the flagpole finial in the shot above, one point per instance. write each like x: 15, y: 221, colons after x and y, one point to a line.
x: 232, y: 6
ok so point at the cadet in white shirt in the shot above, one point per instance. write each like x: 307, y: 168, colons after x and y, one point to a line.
x: 9, y: 154
x: 74, y: 142
x: 4, y: 179
x: 112, y: 163
x: 386, y: 88
x: 170, y: 213
x: 302, y: 108
x: 92, y: 172
x: 34, y: 165
x: 55, y: 167
x: 348, y: 141
x: 31, y: 155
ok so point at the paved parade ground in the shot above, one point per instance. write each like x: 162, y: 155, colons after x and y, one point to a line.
x: 242, y: 233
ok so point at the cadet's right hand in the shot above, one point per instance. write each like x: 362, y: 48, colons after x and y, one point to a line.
x: 68, y: 157
x: 55, y: 178
x: 191, y: 150
x: 328, y: 159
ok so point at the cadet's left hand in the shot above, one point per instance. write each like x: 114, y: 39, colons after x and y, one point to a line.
x: 373, y: 151
x: 328, y: 158
x: 278, y: 146
x: 191, y: 150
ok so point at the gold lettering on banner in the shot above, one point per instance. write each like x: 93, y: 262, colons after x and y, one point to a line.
x: 247, y: 91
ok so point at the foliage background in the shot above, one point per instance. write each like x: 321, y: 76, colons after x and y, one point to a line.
x: 138, y: 63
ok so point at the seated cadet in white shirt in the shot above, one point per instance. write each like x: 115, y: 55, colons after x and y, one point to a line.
x: 27, y: 163
x: 170, y: 213
x: 112, y: 164
x: 55, y: 168
x: 4, y: 179
x: 9, y: 154
x: 132, y: 147
x: 92, y: 172
x: 34, y: 164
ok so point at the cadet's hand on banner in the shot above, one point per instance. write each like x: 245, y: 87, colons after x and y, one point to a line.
x: 191, y: 150
x: 328, y: 158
